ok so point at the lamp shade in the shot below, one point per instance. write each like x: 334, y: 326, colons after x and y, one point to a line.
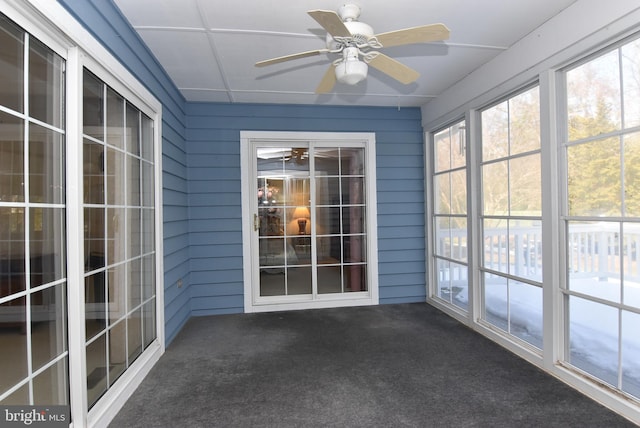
x: 301, y: 212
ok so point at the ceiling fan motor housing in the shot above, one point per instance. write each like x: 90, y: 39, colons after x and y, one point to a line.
x: 360, y: 34
x: 349, y: 12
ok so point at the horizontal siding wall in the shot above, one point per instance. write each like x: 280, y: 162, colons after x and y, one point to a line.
x: 106, y: 23
x: 213, y: 160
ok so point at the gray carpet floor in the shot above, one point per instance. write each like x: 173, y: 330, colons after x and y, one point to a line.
x: 405, y: 365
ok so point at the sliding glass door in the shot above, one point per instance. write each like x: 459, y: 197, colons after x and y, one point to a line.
x: 33, y: 283
x: 42, y: 312
x: 311, y: 233
x: 119, y: 246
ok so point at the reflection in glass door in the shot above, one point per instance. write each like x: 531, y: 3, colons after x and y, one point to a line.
x: 310, y: 218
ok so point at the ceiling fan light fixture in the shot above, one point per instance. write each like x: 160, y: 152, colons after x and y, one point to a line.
x: 351, y: 70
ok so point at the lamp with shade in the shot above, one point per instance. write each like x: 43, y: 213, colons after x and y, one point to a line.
x: 301, y: 214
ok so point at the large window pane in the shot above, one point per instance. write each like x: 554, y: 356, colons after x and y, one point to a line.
x: 496, y: 301
x: 11, y: 158
x: 352, y: 161
x: 12, y: 71
x: 593, y: 172
x: 496, y: 254
x: 147, y: 138
x: 495, y: 132
x: 133, y: 130
x: 453, y: 284
x: 442, y: 193
x: 115, y: 119
x: 524, y: 122
x: 458, y: 201
x: 46, y: 165
x: 525, y: 181
x: 525, y: 312
x: 594, y: 262
x: 93, y: 172
x: 93, y: 106
x: 442, y: 150
x: 631, y: 183
x: 149, y: 322
x: 46, y: 84
x: 593, y: 338
x: 117, y: 351
x: 13, y: 342
x: 51, y: 387
x: 47, y: 245
x: 495, y: 188
x: 12, y: 249
x: 116, y: 194
x: 593, y: 97
x: 96, y: 354
x: 631, y: 84
x: 630, y: 353
x: 48, y: 325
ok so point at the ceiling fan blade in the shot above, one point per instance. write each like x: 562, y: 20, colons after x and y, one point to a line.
x: 328, y: 81
x: 290, y: 57
x: 407, y: 36
x: 331, y: 22
x: 393, y: 68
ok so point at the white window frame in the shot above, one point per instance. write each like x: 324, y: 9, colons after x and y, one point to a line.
x: 371, y: 296
x: 52, y: 24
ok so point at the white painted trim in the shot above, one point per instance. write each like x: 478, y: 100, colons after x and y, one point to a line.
x: 159, y: 227
x: 248, y: 164
x: 246, y: 161
x: 75, y: 253
x: 429, y: 265
x: 552, y: 324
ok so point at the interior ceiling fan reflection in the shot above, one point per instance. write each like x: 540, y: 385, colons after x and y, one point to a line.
x: 358, y: 45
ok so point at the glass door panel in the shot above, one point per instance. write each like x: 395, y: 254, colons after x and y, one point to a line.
x: 119, y: 225
x: 340, y: 218
x: 303, y: 232
x: 284, y: 242
x: 33, y: 283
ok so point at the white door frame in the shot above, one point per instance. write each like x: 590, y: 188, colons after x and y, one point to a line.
x: 248, y: 166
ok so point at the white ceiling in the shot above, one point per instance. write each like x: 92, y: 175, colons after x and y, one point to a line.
x: 209, y: 47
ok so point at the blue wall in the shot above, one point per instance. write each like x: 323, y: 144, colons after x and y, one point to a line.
x: 107, y: 25
x: 201, y: 180
x: 213, y: 159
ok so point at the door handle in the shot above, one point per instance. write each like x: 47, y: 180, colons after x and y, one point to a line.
x: 256, y: 222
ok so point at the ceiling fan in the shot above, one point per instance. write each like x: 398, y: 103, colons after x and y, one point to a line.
x: 353, y: 40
